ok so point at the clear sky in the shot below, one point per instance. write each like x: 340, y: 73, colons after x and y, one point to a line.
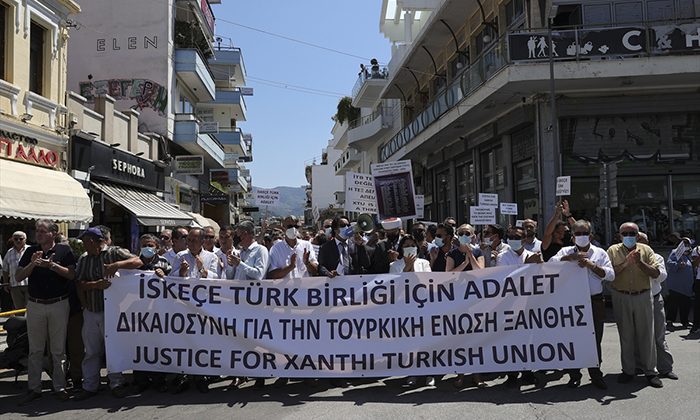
x: 290, y: 128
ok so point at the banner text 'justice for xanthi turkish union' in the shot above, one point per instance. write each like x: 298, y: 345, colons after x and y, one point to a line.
x: 514, y: 318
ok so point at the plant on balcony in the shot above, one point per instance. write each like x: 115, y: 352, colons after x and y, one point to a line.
x: 347, y: 112
x: 187, y: 36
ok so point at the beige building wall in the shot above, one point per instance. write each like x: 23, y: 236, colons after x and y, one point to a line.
x: 48, y: 108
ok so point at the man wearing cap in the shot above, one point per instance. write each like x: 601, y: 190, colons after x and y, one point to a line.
x: 49, y: 267
x: 93, y: 274
x: 18, y: 289
x: 635, y: 266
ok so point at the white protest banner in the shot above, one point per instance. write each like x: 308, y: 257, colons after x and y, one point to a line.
x: 420, y: 206
x: 393, y: 183
x: 519, y: 223
x: 509, y: 208
x: 512, y: 318
x: 359, y: 193
x: 488, y: 200
x: 267, y: 197
x: 481, y: 215
x: 563, y: 185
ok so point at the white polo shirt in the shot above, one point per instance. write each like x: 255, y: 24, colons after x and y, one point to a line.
x: 281, y: 254
x: 597, y: 255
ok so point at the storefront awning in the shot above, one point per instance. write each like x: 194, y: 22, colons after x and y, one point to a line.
x: 146, y: 206
x: 201, y: 221
x: 32, y: 192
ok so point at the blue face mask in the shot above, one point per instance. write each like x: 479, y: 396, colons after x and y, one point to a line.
x: 465, y: 239
x: 629, y: 241
x: 439, y: 242
x: 516, y: 244
x: 148, y: 252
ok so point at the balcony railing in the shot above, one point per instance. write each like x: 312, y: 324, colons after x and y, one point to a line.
x: 374, y: 72
x: 586, y: 43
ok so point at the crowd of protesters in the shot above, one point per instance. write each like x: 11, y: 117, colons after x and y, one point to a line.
x: 63, y: 292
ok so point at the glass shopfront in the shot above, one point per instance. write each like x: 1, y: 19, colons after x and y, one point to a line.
x: 645, y: 168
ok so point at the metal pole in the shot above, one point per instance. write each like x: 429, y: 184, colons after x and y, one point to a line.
x: 552, y: 95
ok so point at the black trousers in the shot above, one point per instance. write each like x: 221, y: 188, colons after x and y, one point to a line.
x: 598, y: 308
x: 677, y: 305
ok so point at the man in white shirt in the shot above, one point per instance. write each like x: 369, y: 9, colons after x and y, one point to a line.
x: 210, y: 239
x: 18, y: 289
x: 226, y: 235
x: 252, y: 262
x: 492, y: 244
x: 178, y: 240
x: 196, y: 262
x: 531, y: 242
x: 292, y: 258
x: 664, y: 358
x: 516, y: 254
x: 598, y: 269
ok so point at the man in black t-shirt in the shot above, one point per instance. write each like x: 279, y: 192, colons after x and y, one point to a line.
x: 49, y: 268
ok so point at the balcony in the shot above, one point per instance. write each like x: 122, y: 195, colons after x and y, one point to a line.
x: 229, y: 180
x: 365, y: 130
x: 194, y: 25
x: 192, y: 70
x: 232, y: 141
x: 349, y: 157
x: 228, y: 68
x: 369, y: 86
x: 229, y: 103
x: 188, y: 136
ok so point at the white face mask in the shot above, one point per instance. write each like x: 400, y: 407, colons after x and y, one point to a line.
x: 410, y: 251
x: 582, y: 241
x: 465, y: 239
x: 291, y: 233
x: 329, y: 232
x: 488, y: 241
x: 515, y: 244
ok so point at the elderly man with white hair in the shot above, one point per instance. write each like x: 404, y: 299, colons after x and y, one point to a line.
x: 18, y: 289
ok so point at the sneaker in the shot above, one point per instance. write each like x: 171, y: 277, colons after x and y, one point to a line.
x: 61, y: 395
x: 121, y: 391
x: 29, y: 397
x: 574, y: 380
x: 430, y: 380
x: 624, y: 378
x: 180, y: 384
x: 654, y: 381
x: 411, y: 381
x: 83, y: 394
x: 669, y: 375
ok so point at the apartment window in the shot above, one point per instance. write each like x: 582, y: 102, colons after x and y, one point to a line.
x: 629, y: 12
x: 515, y: 13
x: 3, y: 38
x: 37, y: 37
x: 597, y: 14
x: 686, y: 9
x: 465, y: 190
x: 660, y: 10
x: 567, y: 15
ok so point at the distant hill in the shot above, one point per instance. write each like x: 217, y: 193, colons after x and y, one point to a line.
x: 292, y: 201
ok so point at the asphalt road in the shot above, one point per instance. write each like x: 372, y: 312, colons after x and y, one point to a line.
x: 387, y: 398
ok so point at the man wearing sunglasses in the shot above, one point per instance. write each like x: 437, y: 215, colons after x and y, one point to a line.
x: 635, y: 266
x: 18, y: 289
x: 598, y: 269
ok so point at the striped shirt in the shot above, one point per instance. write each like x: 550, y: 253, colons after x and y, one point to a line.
x: 10, y: 264
x: 91, y: 268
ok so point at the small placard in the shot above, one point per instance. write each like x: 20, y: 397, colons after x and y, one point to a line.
x: 563, y: 185
x: 509, y: 208
x: 490, y: 200
x: 482, y: 215
x: 519, y: 223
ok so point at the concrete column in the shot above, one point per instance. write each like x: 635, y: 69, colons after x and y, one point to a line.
x: 76, y: 110
x: 452, y: 185
x: 132, y: 139
x: 104, y: 104
x: 508, y: 170
x: 549, y: 160
x: 408, y: 26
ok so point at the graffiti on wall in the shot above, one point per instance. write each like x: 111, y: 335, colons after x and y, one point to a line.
x: 146, y: 93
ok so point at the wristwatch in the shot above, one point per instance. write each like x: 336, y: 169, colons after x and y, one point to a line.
x: 202, y: 270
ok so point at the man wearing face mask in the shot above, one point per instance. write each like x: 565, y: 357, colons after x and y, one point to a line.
x: 292, y: 258
x: 443, y: 245
x: 339, y: 255
x: 530, y: 241
x: 418, y: 232
x: 598, y: 269
x: 516, y: 254
x: 152, y: 261
x: 635, y: 266
x: 492, y: 244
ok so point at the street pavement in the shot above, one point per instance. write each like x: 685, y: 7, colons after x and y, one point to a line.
x: 387, y: 398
